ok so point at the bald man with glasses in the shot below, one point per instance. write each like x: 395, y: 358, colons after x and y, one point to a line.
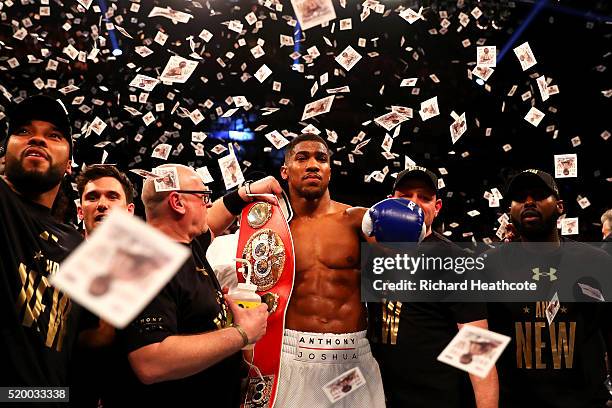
x: 181, y: 346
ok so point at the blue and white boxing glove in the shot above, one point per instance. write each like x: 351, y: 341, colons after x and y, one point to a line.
x: 394, y: 220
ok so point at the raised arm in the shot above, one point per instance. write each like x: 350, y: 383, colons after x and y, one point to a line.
x: 225, y: 209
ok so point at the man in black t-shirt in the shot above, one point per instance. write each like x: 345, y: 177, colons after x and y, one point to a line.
x: 181, y: 346
x: 408, y: 337
x: 97, y: 360
x: 37, y: 321
x: 558, y: 363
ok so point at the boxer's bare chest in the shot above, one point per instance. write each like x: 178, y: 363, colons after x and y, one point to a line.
x: 331, y: 241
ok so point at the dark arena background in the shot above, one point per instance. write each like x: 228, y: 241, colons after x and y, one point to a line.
x: 569, y: 39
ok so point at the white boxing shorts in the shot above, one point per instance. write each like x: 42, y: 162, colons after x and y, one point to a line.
x: 311, y: 360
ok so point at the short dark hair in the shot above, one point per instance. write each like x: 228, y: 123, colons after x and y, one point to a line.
x: 98, y: 171
x: 304, y: 137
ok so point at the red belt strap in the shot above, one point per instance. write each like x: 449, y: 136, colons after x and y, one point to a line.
x: 265, y: 241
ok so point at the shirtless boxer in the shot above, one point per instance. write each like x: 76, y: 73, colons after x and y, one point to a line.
x: 326, y: 320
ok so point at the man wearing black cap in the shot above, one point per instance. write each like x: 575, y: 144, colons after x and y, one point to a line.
x: 420, y: 185
x: 408, y: 337
x: 37, y: 320
x: 552, y: 360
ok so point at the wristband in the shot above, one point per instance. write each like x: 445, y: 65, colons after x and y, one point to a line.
x: 245, y: 338
x: 234, y: 203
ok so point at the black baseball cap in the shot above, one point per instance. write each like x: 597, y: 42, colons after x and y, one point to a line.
x: 40, y: 107
x: 531, y: 178
x: 417, y: 172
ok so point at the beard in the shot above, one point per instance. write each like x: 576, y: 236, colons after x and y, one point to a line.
x: 537, y: 231
x: 312, y: 193
x: 30, y: 182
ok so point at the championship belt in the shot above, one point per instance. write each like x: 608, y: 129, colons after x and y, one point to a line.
x: 265, y: 242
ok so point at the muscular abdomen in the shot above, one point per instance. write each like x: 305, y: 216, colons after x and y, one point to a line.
x: 326, y: 294
x: 326, y: 301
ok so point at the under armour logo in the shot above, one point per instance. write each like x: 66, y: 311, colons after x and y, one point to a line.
x: 551, y: 274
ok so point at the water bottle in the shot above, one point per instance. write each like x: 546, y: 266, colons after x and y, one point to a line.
x: 245, y: 294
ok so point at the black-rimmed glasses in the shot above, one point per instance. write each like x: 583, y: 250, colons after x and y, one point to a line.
x: 206, y: 194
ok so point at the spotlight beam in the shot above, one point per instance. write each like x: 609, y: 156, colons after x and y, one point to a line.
x: 538, y: 6
x: 111, y: 33
x: 297, y: 41
x: 586, y: 14
x: 515, y: 36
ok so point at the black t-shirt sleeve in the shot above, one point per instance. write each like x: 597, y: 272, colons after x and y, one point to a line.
x: 156, y: 322
x: 468, y: 311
